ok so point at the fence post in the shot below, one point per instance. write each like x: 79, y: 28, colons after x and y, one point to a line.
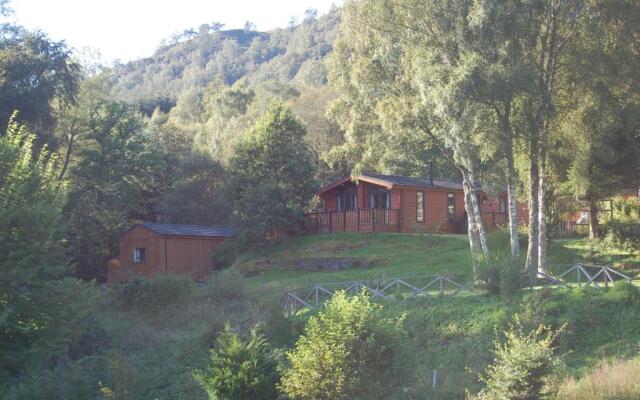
x: 344, y: 221
x: 317, y: 222
x: 493, y: 218
x: 358, y: 219
x: 398, y: 219
x: 373, y: 219
x: 330, y: 221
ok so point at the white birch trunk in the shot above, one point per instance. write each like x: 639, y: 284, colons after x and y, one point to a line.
x: 532, y: 249
x: 469, y: 181
x: 474, y: 242
x: 542, y: 223
x: 513, y: 210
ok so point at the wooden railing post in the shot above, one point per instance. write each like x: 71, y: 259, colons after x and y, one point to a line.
x: 317, y: 222
x: 373, y: 219
x: 493, y: 218
x: 344, y: 221
x: 358, y: 218
x: 330, y: 221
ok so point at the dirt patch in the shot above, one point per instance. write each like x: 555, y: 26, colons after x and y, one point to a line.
x: 332, y: 263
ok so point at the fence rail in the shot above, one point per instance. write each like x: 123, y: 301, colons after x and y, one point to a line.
x: 315, y: 296
x: 360, y: 220
x: 437, y: 286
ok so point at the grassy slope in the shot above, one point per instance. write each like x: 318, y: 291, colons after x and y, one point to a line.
x: 153, y: 353
x: 397, y: 256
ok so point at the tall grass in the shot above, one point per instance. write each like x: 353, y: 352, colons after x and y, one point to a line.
x: 616, y: 380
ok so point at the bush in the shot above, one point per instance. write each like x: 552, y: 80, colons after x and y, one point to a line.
x: 622, y: 235
x: 226, y: 285
x: 522, y: 366
x: 154, y: 293
x: 506, y: 276
x: 351, y: 350
x: 617, y: 380
x: 241, y: 368
x: 224, y: 255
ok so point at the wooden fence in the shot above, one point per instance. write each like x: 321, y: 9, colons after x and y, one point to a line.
x: 316, y: 295
x: 585, y: 274
x: 361, y: 220
x: 438, y: 286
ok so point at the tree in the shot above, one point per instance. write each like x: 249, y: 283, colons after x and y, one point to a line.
x: 117, y: 179
x: 35, y: 72
x: 43, y: 313
x: 413, y: 78
x: 351, y: 350
x: 273, y: 167
x: 241, y: 368
x: 522, y: 367
x: 601, y: 128
x: 196, y: 194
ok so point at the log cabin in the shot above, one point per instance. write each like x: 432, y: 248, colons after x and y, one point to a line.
x: 150, y: 249
x: 391, y: 203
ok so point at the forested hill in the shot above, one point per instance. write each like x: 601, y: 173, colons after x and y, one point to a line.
x: 194, y: 58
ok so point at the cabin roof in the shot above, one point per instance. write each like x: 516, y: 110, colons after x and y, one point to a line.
x: 390, y: 181
x: 190, y: 230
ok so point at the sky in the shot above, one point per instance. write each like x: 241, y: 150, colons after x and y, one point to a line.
x: 131, y: 29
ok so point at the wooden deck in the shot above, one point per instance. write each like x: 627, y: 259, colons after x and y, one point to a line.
x: 361, y: 220
x: 380, y: 220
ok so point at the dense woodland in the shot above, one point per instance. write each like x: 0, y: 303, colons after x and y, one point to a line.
x: 240, y: 127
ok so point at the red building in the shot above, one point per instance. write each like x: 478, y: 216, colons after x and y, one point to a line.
x: 390, y: 203
x: 152, y: 249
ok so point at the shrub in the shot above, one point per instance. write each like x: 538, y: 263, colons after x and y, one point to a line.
x: 617, y: 380
x: 522, y: 366
x: 224, y: 255
x: 241, y: 368
x: 622, y: 235
x: 154, y: 293
x: 351, y: 350
x: 225, y: 285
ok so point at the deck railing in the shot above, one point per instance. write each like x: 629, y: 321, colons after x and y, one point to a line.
x: 361, y: 220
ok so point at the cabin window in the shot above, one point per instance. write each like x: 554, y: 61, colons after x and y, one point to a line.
x: 451, y: 207
x: 503, y: 205
x: 139, y: 255
x: 420, y: 206
x: 347, y: 200
x: 380, y: 199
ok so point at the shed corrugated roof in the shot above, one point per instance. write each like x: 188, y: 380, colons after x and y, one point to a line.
x: 190, y: 230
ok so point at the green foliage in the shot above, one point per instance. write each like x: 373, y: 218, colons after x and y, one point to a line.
x: 36, y: 72
x: 154, y: 293
x: 351, y: 350
x: 622, y: 235
x: 271, y: 176
x: 225, y: 254
x: 118, y: 176
x: 196, y: 193
x: 44, y: 317
x: 241, y: 368
x: 522, y: 367
x: 226, y: 285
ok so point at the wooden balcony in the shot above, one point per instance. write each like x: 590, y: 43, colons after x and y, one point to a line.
x: 361, y: 220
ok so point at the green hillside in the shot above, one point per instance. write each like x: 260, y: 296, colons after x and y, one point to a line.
x: 393, y: 255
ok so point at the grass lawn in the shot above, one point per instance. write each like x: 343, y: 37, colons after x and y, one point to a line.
x: 398, y: 255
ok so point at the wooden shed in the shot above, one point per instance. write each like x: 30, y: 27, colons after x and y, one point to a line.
x: 151, y: 249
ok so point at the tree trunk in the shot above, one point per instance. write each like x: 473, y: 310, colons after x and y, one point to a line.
x: 474, y: 241
x: 542, y: 212
x: 512, y: 203
x: 469, y: 181
x: 593, y: 220
x: 532, y: 248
